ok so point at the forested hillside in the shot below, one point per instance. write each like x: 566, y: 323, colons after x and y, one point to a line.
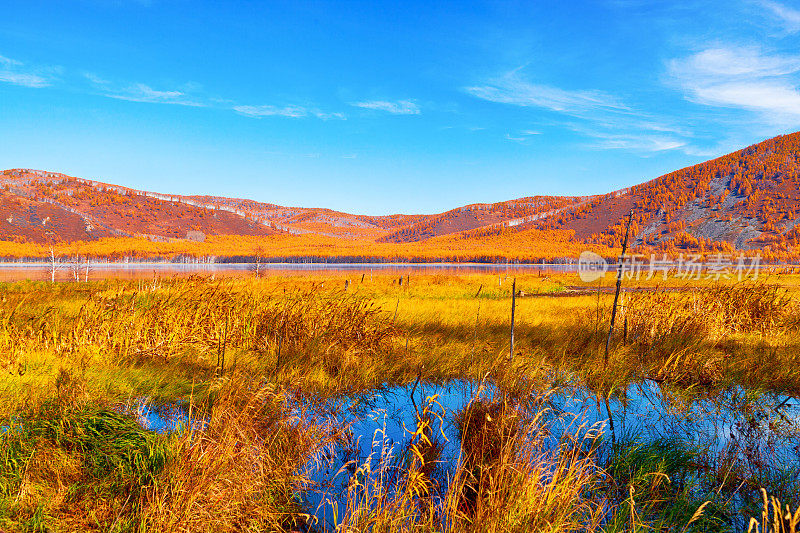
x: 747, y: 200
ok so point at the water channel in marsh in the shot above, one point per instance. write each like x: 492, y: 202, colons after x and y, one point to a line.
x: 731, y: 441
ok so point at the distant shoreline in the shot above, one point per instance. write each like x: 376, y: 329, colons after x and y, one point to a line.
x: 321, y: 265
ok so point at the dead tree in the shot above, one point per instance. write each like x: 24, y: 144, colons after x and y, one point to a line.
x: 53, y: 265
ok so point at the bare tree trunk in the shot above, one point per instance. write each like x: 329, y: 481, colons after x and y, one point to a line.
x: 619, y: 286
x: 52, y: 266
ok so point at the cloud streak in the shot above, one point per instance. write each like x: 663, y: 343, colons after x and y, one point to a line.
x: 288, y: 111
x: 260, y: 111
x: 789, y: 17
x: 512, y: 89
x: 190, y: 95
x: 400, y: 107
x: 610, y: 123
x: 643, y: 143
x: 14, y: 72
x: 744, y: 78
x: 146, y: 94
x: 523, y: 136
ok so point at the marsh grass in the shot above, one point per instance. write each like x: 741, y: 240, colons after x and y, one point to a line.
x: 713, y: 312
x: 158, y: 340
x: 77, y: 467
x: 241, y: 354
x: 510, y: 478
x: 506, y: 479
x: 775, y: 517
x: 658, y: 488
x: 717, y: 335
x: 241, y: 468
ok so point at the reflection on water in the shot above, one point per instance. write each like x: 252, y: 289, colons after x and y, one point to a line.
x: 381, y: 425
x: 162, y: 418
x: 755, y: 437
x: 751, y: 437
x: 19, y: 271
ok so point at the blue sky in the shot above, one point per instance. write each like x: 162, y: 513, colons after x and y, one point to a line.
x: 377, y: 107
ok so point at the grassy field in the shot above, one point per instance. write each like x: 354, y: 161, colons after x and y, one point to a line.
x: 238, y: 356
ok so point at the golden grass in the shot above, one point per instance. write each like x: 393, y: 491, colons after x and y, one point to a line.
x: 239, y: 468
x: 775, y: 517
x: 240, y: 351
x: 506, y: 480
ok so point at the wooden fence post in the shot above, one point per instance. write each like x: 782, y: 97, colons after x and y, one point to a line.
x: 513, y: 306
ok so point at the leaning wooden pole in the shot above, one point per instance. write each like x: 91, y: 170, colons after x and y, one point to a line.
x: 513, y: 306
x: 619, y: 285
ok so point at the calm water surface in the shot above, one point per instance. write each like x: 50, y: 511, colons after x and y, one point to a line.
x: 102, y: 270
x: 759, y: 431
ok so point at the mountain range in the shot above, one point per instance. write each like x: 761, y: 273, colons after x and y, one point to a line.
x: 745, y: 200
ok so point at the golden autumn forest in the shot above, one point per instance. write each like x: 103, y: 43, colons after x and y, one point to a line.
x: 743, y: 202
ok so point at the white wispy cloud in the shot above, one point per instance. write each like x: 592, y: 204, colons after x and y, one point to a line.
x: 187, y: 94
x: 192, y: 94
x: 400, y: 107
x: 643, y: 143
x: 16, y: 73
x: 8, y: 62
x: 24, y: 79
x: 711, y: 151
x: 742, y: 77
x: 259, y: 111
x: 512, y: 89
x: 610, y: 123
x: 764, y: 95
x: 289, y: 111
x: 140, y: 92
x: 632, y: 136
x: 788, y: 16
x: 329, y: 116
x: 523, y: 136
x: 733, y: 61
x: 95, y: 79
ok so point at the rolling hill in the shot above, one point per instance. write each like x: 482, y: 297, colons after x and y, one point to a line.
x: 745, y: 200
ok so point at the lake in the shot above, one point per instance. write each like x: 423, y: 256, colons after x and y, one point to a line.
x: 20, y: 271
